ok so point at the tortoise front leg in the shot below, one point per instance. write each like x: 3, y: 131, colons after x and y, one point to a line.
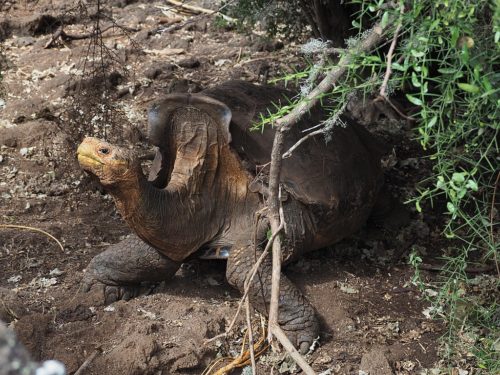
x: 296, y: 315
x: 123, y: 269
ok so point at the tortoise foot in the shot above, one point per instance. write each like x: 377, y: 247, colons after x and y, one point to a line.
x: 302, y: 334
x: 296, y: 316
x: 113, y: 293
x: 127, y: 269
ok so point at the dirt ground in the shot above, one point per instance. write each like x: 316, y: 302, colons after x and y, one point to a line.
x: 371, y: 315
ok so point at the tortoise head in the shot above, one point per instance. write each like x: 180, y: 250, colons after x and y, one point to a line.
x: 111, y: 164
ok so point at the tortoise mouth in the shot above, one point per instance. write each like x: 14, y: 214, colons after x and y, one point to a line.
x: 87, y: 161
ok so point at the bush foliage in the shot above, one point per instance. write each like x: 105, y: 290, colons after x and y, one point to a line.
x: 445, y: 65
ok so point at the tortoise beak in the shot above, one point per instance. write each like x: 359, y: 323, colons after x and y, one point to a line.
x: 86, y: 154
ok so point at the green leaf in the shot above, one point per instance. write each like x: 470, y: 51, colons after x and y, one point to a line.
x: 458, y: 177
x: 414, y: 100
x: 467, y: 87
x: 414, y: 80
x: 432, y: 122
x: 487, y: 84
x: 451, y: 207
x: 447, y: 70
x: 417, y: 54
x: 471, y: 184
x: 399, y: 67
x: 440, y: 184
x: 385, y: 20
x: 417, y: 206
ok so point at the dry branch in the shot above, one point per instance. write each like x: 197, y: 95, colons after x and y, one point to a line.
x: 371, y: 39
x: 197, y: 9
x: 88, y: 361
x: 383, y: 87
x: 248, y: 282
x: 13, y: 226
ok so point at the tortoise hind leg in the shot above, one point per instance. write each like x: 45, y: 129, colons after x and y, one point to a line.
x: 123, y: 269
x: 296, y: 315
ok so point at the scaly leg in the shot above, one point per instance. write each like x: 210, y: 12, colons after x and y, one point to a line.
x: 296, y: 315
x: 123, y: 267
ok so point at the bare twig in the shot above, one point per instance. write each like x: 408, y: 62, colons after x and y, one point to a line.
x: 250, y: 336
x: 288, y: 153
x: 88, y: 361
x: 468, y: 269
x: 388, y: 71
x: 60, y: 33
x: 395, y: 107
x: 12, y: 226
x: 248, y: 283
x: 198, y: 9
x: 287, y: 344
x: 492, y: 236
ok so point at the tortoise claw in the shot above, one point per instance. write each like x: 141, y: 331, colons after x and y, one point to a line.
x: 112, y: 293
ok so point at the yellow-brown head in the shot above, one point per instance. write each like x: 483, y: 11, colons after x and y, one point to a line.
x: 112, y: 165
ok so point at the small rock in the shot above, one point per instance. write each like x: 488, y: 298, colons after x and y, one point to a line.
x: 156, y: 70
x: 23, y: 41
x: 109, y: 308
x: 26, y: 151
x: 375, y: 363
x: 43, y: 282
x: 346, y: 288
x: 10, y: 142
x: 221, y: 62
x: 189, y: 63
x: 212, y: 282
x: 56, y: 272
x: 14, y: 279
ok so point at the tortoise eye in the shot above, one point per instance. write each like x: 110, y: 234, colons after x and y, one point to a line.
x: 104, y: 150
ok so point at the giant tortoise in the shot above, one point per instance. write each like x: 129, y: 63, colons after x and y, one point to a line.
x: 207, y: 190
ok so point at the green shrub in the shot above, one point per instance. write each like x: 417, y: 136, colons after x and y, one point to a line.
x: 445, y: 64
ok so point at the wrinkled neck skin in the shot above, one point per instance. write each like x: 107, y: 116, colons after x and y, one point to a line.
x: 214, y: 207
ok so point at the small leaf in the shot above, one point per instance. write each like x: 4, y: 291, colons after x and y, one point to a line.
x: 398, y: 67
x: 414, y: 80
x: 385, y: 20
x: 467, y: 87
x: 451, y: 207
x: 417, y: 53
x: 432, y: 122
x: 417, y: 206
x: 414, y: 100
x: 447, y: 70
x: 440, y: 184
x: 471, y: 184
x: 458, y: 177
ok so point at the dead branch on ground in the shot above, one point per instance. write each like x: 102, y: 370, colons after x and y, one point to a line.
x: 64, y: 36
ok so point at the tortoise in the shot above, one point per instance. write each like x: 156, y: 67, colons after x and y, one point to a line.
x: 207, y: 188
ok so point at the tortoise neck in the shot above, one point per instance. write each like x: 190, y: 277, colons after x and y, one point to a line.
x: 164, y: 218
